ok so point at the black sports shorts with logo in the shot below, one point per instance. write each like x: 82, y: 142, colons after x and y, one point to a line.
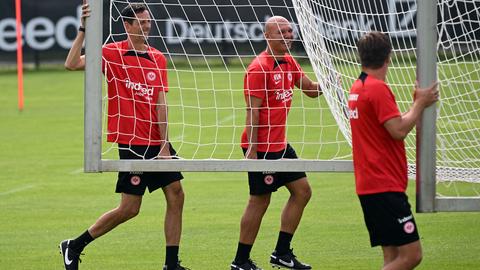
x: 135, y: 183
x: 389, y: 219
x: 267, y: 182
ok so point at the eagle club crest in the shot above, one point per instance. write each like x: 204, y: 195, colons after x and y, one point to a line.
x: 268, y: 179
x: 135, y: 180
x: 151, y: 76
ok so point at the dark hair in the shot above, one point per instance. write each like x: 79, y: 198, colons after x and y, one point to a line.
x: 374, y: 48
x: 128, y: 13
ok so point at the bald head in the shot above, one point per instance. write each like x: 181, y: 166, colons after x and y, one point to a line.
x: 274, y: 23
x: 279, y: 35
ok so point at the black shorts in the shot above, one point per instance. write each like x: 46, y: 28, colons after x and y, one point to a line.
x: 389, y: 219
x: 135, y: 183
x: 267, y: 182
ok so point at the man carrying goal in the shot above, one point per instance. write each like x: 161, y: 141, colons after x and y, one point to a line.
x: 137, y: 121
x: 268, y: 89
x: 379, y: 158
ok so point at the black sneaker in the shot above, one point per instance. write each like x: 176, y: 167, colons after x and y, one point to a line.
x: 248, y: 265
x: 177, y: 267
x: 288, y: 261
x: 70, y: 257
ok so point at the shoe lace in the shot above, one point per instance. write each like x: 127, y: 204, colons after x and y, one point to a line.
x: 78, y: 256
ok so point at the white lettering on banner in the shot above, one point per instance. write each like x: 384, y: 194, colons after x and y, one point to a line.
x: 7, y: 31
x: 60, y: 32
x: 400, y: 24
x: 40, y: 28
x: 335, y: 29
x: 176, y: 27
x: 42, y: 33
x: 180, y: 30
x: 405, y: 26
x: 241, y: 32
x: 39, y: 33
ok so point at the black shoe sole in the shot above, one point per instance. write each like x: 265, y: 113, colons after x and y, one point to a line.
x: 274, y: 265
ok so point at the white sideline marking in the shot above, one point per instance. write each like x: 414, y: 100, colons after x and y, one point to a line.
x: 226, y: 119
x: 77, y: 171
x: 15, y: 190
x: 177, y: 138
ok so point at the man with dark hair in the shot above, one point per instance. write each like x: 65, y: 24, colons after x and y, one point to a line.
x: 137, y: 121
x: 379, y: 157
x: 129, y: 12
x: 268, y: 85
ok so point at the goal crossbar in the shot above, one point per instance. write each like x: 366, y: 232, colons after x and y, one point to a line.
x: 213, y: 165
x: 457, y: 204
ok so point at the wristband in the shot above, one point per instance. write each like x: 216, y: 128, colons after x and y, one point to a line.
x: 81, y: 29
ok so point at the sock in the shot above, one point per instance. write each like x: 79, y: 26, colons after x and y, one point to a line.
x: 81, y: 242
x: 171, y: 257
x: 283, y: 243
x: 243, y: 253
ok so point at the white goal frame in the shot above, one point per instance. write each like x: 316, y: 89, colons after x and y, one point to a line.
x: 93, y: 128
x: 427, y: 200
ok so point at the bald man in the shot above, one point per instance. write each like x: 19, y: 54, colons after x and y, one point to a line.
x: 268, y: 89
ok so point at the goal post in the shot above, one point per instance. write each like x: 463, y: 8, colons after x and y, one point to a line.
x: 426, y: 191
x: 426, y: 128
x: 93, y: 89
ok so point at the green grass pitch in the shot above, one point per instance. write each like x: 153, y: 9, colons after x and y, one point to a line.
x: 45, y: 197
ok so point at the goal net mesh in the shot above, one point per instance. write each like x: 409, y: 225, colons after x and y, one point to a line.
x: 330, y: 31
x: 210, y: 43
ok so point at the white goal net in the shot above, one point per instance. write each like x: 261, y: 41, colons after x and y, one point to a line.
x: 208, y: 46
x: 331, y: 29
x: 210, y: 43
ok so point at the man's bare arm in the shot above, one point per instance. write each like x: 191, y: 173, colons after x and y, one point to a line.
x: 75, y: 60
x: 309, y: 87
x: 253, y: 115
x: 162, y: 112
x: 399, y: 127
